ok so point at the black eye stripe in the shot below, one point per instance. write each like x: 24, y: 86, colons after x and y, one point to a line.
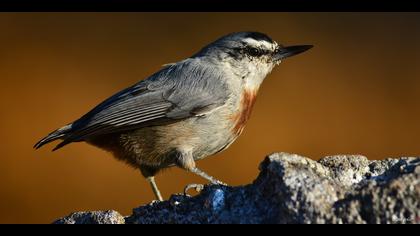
x: 255, y: 52
x: 252, y: 51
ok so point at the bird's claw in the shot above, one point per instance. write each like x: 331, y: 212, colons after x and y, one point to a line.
x: 218, y: 182
x: 197, y: 187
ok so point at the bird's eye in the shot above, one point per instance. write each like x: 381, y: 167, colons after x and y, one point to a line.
x: 255, y: 52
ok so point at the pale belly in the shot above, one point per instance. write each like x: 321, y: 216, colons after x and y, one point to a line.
x: 152, y: 146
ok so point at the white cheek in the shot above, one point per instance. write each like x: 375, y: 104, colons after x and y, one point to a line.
x: 254, y: 80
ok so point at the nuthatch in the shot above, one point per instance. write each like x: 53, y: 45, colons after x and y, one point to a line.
x: 185, y: 112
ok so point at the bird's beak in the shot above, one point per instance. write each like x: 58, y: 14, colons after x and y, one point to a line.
x: 284, y: 52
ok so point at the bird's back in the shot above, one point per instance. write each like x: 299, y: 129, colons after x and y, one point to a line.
x: 183, y: 90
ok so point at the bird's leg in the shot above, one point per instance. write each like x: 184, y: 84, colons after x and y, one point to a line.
x: 185, y: 160
x: 152, y: 182
x: 149, y: 173
x: 206, y: 176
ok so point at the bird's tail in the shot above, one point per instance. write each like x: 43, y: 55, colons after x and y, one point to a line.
x: 57, y: 134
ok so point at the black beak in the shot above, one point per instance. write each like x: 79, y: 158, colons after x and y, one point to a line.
x: 284, y: 52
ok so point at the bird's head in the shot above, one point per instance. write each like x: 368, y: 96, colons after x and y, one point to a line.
x: 250, y: 55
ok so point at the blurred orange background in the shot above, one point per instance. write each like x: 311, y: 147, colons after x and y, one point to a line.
x: 356, y: 92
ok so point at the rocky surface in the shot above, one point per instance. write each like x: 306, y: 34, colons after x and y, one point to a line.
x: 293, y: 189
x: 93, y: 217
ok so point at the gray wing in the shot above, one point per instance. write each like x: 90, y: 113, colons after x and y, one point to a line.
x: 178, y: 91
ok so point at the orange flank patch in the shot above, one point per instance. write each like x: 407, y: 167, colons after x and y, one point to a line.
x: 244, y: 112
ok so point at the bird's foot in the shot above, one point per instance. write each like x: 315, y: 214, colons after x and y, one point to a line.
x: 218, y: 182
x: 197, y: 187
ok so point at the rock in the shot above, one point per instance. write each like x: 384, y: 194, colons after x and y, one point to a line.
x: 294, y: 189
x: 94, y: 217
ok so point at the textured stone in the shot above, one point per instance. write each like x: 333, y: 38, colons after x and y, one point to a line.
x: 93, y: 217
x: 294, y: 189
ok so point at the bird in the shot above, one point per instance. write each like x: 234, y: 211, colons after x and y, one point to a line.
x: 186, y: 111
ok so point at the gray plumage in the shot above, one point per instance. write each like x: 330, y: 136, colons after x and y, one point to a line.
x: 186, y: 111
x: 158, y: 99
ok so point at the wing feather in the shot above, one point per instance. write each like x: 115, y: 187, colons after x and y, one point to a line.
x: 176, y: 92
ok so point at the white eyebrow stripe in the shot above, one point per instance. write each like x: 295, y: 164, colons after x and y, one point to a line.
x: 256, y: 43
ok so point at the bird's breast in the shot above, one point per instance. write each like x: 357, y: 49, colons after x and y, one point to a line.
x: 241, y: 116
